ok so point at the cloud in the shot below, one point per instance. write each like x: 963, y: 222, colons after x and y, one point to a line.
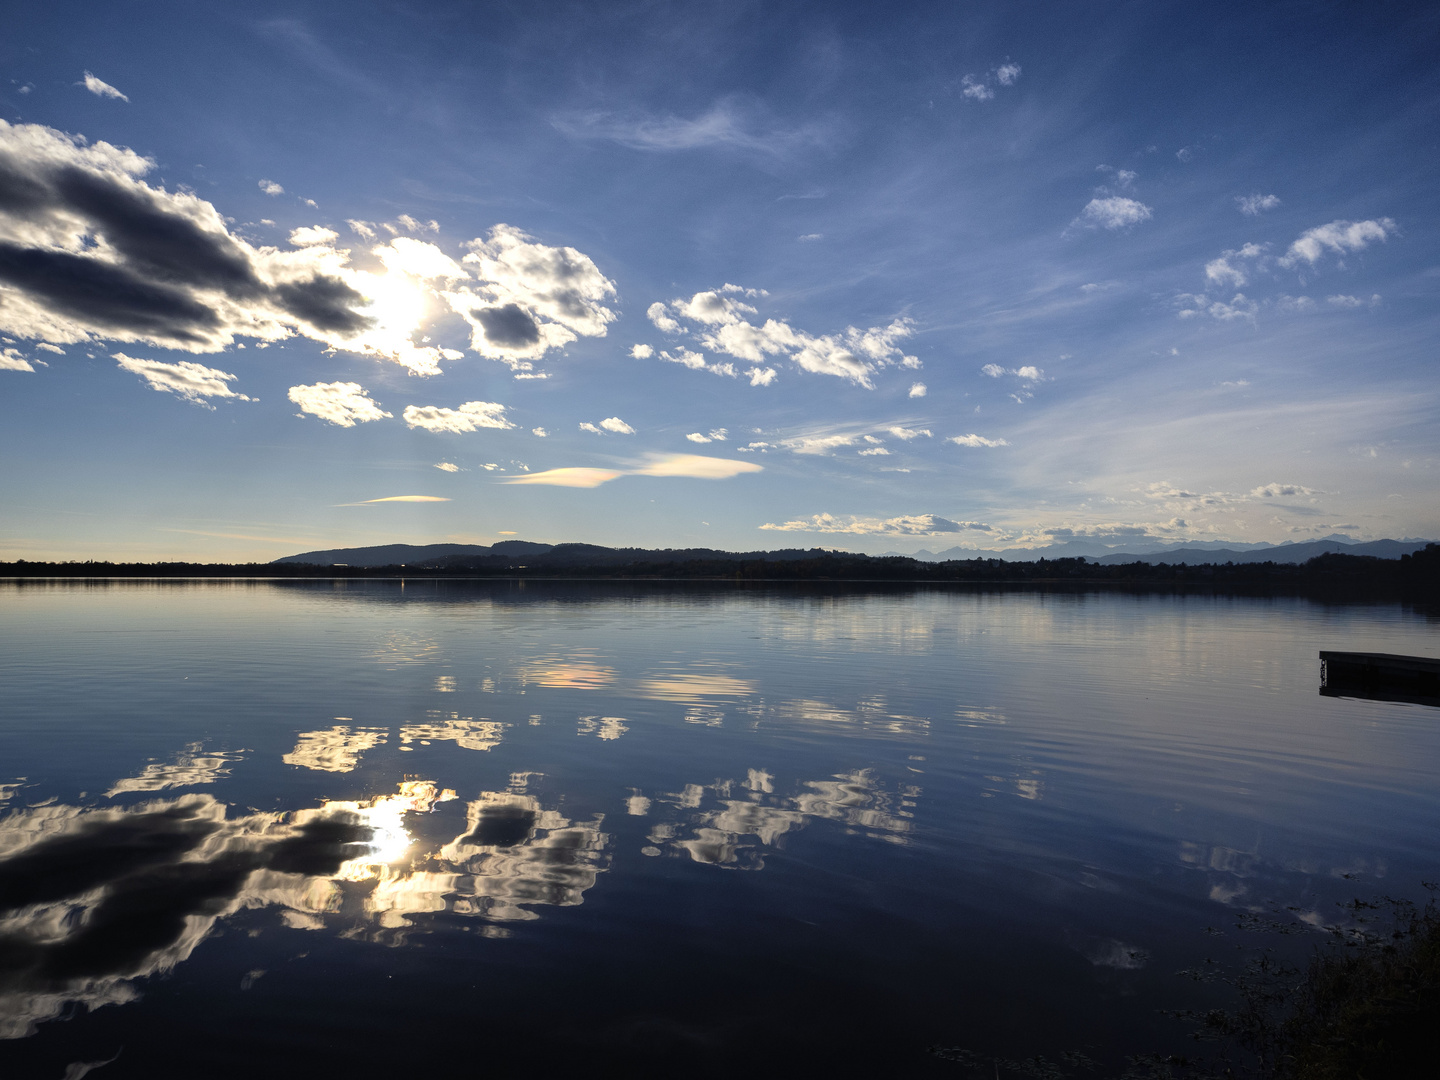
x: 1007, y: 74
x: 1226, y: 274
x: 193, y: 382
x: 344, y: 404
x: 918, y: 389
x: 694, y: 466
x: 361, y: 228
x: 728, y: 124
x: 1271, y: 491
x: 613, y: 425
x: 1338, y: 237
x: 810, y: 237
x: 1113, y: 212
x: 816, y: 444
x: 90, y: 251
x: 975, y: 441
x: 875, y: 451
x: 577, y: 478
x: 470, y: 416
x: 404, y: 499
x: 642, y: 352
x: 47, y: 347
x: 100, y: 88
x: 539, y: 433
x: 10, y: 360
x: 906, y: 434
x: 716, y: 435
x: 530, y: 297
x: 313, y: 234
x: 722, y: 326
x: 270, y: 187
x: 1257, y: 204
x: 1239, y: 306
x: 447, y: 466
x: 975, y: 89
x: 906, y: 525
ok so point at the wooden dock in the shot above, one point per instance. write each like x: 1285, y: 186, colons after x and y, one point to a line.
x: 1380, y: 677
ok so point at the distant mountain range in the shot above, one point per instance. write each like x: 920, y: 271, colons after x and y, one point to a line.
x: 524, y: 552
x: 1189, y: 554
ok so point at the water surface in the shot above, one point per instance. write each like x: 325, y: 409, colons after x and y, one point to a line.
x: 538, y: 829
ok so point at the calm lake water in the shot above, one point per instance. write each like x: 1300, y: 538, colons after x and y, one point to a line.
x: 275, y: 828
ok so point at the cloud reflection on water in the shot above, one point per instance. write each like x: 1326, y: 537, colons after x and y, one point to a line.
x: 189, y: 769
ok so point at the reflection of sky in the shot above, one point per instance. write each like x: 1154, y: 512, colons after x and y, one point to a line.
x: 190, y: 768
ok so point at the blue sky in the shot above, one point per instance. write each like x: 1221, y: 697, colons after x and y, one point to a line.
x: 742, y: 275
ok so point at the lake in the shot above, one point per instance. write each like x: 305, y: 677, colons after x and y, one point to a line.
x: 533, y: 829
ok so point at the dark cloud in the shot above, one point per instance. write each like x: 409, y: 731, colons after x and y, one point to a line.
x: 508, y: 325
x: 105, y: 295
x: 326, y: 303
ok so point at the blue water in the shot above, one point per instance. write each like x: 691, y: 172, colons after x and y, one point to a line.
x: 540, y: 829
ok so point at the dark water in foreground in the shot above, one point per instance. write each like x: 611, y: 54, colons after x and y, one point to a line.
x: 286, y: 829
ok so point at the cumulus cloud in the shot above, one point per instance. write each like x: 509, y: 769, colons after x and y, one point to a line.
x: 816, y: 444
x: 344, y: 404
x: 975, y: 441
x: 720, y: 319
x: 875, y: 451
x: 975, y: 89
x: 642, y: 352
x: 1237, y: 307
x: 100, y: 88
x: 470, y: 416
x: 530, y: 297
x: 906, y: 434
x: 193, y: 382
x: 1271, y: 491
x: 918, y: 389
x: 613, y: 425
x: 905, y: 525
x: 716, y: 435
x: 90, y: 251
x: 361, y: 228
x: 447, y: 466
x: 1007, y: 74
x: 10, y: 360
x: 539, y: 432
x: 1112, y: 212
x: 1225, y: 273
x: 1338, y: 237
x: 313, y: 234
x: 1257, y: 204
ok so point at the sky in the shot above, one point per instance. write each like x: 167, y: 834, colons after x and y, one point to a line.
x: 286, y: 277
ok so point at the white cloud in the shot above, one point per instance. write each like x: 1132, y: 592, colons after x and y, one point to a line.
x: 1030, y: 373
x: 530, y: 297
x: 875, y: 451
x: 540, y: 432
x: 906, y: 434
x: 342, y: 403
x: 905, y: 525
x: 1113, y: 212
x: 816, y: 444
x: 728, y: 124
x: 1298, y: 304
x: 973, y: 88
x: 576, y: 478
x: 694, y: 466
x: 100, y: 88
x: 993, y: 370
x: 412, y: 225
x: 1271, y: 491
x: 1239, y: 307
x: 1343, y: 301
x: 313, y: 234
x: 193, y: 382
x: 918, y: 389
x: 10, y: 360
x: 618, y: 426
x: 716, y: 435
x: 1222, y: 273
x: 810, y: 237
x: 975, y: 441
x: 405, y: 499
x: 696, y: 437
x: 45, y: 345
x: 447, y: 466
x: 1257, y: 204
x: 1007, y: 74
x: 723, y: 327
x: 642, y: 352
x: 1338, y: 237
x: 270, y: 187
x: 471, y: 416
x: 363, y: 229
